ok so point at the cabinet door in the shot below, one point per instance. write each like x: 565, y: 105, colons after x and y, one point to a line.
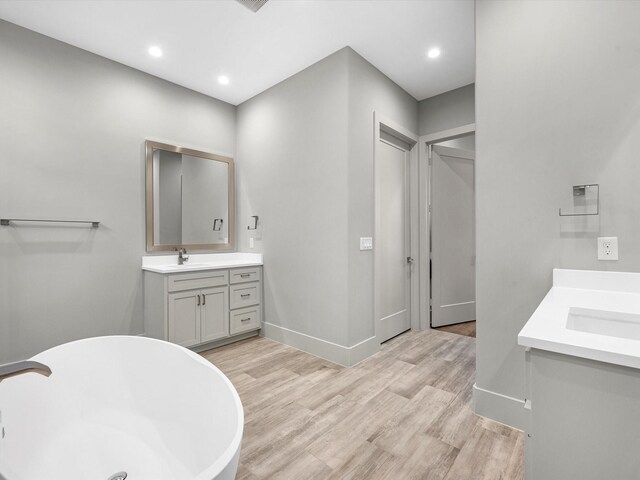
x: 184, y: 318
x: 214, y: 314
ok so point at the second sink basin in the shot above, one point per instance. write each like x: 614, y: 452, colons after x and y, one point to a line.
x: 186, y: 265
x: 602, y: 322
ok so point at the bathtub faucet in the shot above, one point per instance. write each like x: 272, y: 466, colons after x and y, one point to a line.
x: 18, y: 368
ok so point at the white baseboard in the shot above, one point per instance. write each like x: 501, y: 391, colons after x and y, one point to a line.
x: 363, y: 350
x: 346, y: 356
x: 224, y: 341
x: 498, y: 407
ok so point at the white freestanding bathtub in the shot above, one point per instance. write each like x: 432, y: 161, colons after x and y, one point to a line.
x: 149, y: 408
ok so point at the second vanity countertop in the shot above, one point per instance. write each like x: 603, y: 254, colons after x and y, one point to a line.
x: 589, y: 314
x: 200, y: 261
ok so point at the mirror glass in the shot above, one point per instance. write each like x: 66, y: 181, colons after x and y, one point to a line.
x: 189, y: 199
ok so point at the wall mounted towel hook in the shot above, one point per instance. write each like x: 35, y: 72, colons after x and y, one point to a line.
x: 255, y: 223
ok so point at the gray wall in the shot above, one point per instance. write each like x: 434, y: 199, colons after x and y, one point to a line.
x: 558, y: 104
x: 369, y: 91
x: 465, y: 143
x: 447, y: 110
x: 292, y: 171
x: 72, y: 130
x: 305, y: 166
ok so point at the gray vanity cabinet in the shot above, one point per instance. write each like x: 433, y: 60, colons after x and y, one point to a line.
x: 245, y: 299
x: 198, y: 316
x: 583, y: 419
x: 203, y: 309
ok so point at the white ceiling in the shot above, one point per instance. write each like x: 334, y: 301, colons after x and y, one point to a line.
x: 204, y: 39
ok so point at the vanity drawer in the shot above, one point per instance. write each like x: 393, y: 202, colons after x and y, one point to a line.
x: 191, y: 281
x: 244, y: 294
x: 241, y: 275
x: 244, y: 320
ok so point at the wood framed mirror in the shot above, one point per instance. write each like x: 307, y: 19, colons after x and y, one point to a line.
x: 190, y: 199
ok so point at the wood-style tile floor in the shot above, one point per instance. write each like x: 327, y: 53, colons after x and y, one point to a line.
x: 466, y: 328
x: 403, y: 414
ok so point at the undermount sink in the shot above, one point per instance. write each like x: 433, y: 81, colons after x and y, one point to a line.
x: 186, y: 265
x: 602, y: 322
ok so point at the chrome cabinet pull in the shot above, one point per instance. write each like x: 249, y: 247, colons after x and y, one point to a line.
x: 204, y: 299
x: 244, y: 295
x: 245, y: 319
x: 198, y: 300
x: 245, y: 275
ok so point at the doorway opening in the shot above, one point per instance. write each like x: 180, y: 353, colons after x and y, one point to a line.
x: 451, y: 231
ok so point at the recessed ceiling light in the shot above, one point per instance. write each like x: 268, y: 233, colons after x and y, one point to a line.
x: 433, y: 53
x: 155, y: 51
x: 223, y: 80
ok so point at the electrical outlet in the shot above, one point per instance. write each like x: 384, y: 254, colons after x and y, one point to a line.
x: 607, y: 248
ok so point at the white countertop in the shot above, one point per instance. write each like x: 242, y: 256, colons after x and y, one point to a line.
x: 605, y: 306
x: 200, y: 261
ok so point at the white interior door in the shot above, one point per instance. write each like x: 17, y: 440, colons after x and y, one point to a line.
x: 393, y: 272
x: 453, y: 272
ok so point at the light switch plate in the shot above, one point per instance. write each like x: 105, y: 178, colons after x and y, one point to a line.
x: 607, y: 248
x: 366, y: 243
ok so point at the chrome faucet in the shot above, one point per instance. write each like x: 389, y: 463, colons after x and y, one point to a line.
x: 18, y: 368
x: 182, y: 256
